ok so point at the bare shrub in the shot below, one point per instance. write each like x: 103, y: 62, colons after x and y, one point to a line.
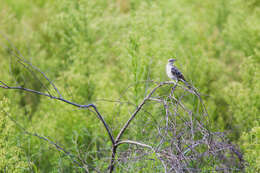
x: 169, y: 131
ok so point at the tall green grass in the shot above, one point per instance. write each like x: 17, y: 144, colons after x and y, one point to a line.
x: 95, y: 49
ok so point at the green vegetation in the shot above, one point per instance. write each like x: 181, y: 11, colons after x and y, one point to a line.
x: 94, y: 50
x: 12, y: 157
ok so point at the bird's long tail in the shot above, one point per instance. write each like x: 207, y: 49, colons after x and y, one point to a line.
x: 190, y: 87
x: 187, y: 84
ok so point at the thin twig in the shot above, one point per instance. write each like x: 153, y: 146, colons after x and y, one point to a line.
x: 133, y: 142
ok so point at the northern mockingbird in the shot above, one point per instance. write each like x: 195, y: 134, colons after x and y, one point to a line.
x: 174, y: 73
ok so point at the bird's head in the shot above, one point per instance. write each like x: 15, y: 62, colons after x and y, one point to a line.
x: 171, y: 60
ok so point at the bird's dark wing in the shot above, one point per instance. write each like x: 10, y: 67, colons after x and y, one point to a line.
x: 177, y: 73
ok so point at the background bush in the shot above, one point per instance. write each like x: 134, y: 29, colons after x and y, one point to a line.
x: 95, y: 49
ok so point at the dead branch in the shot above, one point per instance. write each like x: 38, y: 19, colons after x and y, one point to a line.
x: 178, y: 133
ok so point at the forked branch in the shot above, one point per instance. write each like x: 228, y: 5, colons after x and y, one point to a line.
x: 183, y: 138
x: 5, y: 86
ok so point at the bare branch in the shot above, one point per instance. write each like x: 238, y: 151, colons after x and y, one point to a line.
x: 5, y: 86
x: 139, y: 108
x: 179, y: 129
x: 27, y: 66
x: 133, y: 142
x: 16, y: 53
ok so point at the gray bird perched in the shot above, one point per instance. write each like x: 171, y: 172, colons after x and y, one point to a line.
x: 174, y: 73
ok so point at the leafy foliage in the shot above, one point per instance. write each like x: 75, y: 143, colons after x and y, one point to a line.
x: 250, y: 144
x: 12, y: 156
x: 94, y: 50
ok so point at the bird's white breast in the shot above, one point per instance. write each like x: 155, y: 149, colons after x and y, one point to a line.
x: 169, y: 71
